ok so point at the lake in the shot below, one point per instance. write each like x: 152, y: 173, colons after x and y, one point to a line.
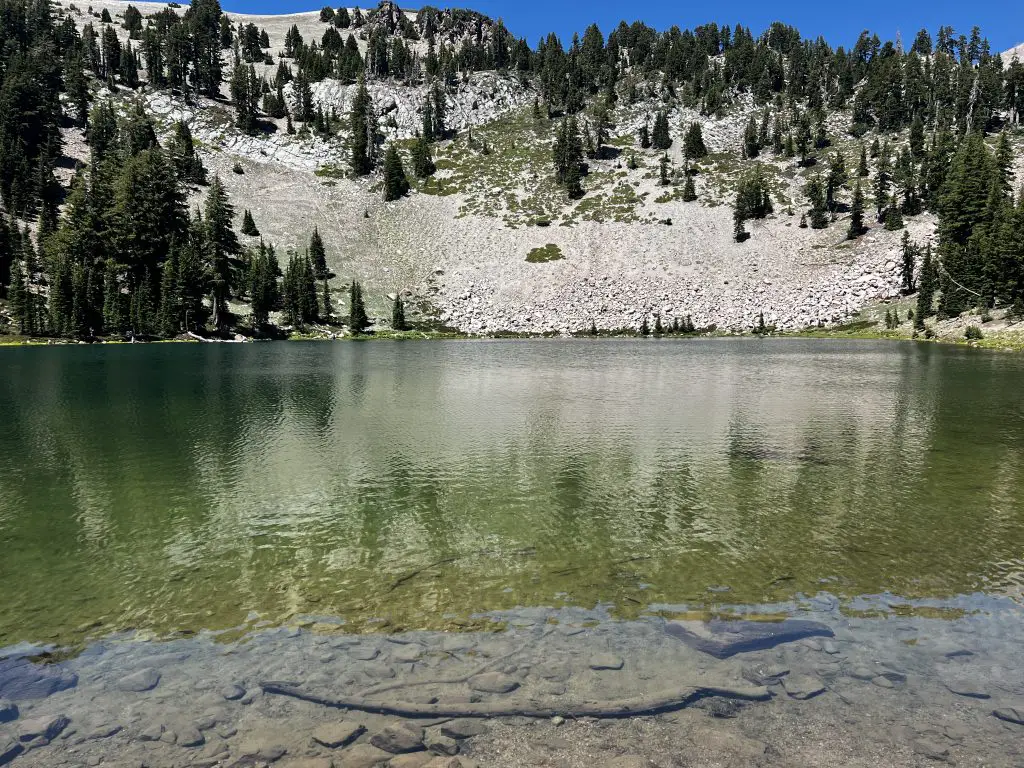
x: 400, y: 486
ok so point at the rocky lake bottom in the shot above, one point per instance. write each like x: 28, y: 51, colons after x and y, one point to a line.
x: 892, y: 684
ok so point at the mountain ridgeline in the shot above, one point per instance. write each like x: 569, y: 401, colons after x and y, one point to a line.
x: 98, y: 237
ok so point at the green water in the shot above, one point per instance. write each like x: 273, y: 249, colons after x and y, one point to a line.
x: 183, y: 487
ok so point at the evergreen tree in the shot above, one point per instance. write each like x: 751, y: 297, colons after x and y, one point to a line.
x: 264, y: 292
x: 693, y: 143
x: 689, y: 190
x: 248, y: 225
x: 358, y: 321
x: 168, y: 317
x: 645, y: 137
x: 862, y: 166
x: 751, y: 147
x: 660, y: 138
x: 221, y: 245
x: 927, y: 284
x: 318, y: 255
x: 856, y: 214
x: 422, y: 162
x: 396, y: 185
x: 568, y: 158
x: 328, y: 305
x: 360, y: 125
x: 398, y: 315
x: 908, y: 263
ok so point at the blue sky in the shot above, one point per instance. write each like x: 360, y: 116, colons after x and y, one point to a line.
x: 1002, y: 21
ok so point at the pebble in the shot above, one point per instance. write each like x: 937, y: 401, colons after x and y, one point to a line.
x: 606, y: 661
x: 340, y: 734
x: 399, y: 738
x: 557, y: 720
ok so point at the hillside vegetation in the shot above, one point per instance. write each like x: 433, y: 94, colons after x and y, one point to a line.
x: 168, y: 169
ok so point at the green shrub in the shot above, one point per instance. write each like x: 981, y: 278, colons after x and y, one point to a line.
x: 549, y: 252
x: 973, y: 333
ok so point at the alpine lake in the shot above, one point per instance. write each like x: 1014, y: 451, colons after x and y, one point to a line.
x: 583, y: 518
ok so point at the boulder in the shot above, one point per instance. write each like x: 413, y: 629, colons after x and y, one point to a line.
x: 138, y: 682
x: 42, y: 729
x: 493, y: 682
x: 606, y: 661
x: 21, y: 680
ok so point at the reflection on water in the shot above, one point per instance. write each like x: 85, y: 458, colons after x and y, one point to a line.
x: 186, y: 487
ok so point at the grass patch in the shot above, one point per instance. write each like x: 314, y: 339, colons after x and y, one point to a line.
x: 549, y: 252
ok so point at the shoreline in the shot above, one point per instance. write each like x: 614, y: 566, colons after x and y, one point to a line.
x: 804, y: 692
x: 1002, y: 342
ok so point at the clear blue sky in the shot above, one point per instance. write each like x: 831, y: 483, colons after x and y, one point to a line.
x: 1002, y: 21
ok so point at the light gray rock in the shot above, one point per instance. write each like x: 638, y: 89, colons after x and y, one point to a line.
x: 232, y: 692
x: 442, y: 745
x: 493, y: 682
x: 802, y: 687
x: 139, y: 682
x: 104, y: 732
x: 151, y: 732
x: 405, y: 654
x: 364, y: 653
x: 362, y: 756
x: 399, y: 738
x: 45, y: 728
x: 340, y: 734
x: 931, y: 749
x: 606, y: 661
x: 190, y: 737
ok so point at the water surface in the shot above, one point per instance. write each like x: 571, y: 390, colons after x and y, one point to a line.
x: 415, y: 485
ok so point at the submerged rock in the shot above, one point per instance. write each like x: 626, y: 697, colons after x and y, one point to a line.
x: 9, y: 749
x: 723, y: 639
x: 341, y: 734
x: 1013, y: 715
x: 21, y: 680
x: 8, y: 711
x: 802, y: 686
x: 42, y: 729
x: 493, y: 682
x: 139, y: 682
x: 463, y: 729
x: 606, y: 661
x: 399, y: 738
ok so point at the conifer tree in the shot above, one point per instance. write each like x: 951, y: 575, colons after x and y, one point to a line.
x: 318, y: 255
x: 358, y: 321
x: 645, y: 137
x: 422, y: 162
x: 221, y: 245
x: 927, y: 284
x: 856, y: 213
x: 751, y: 147
x: 328, y: 305
x: 248, y: 225
x: 568, y: 158
x: 660, y: 138
x: 663, y: 177
x: 396, y: 185
x: 689, y: 189
x: 908, y: 263
x: 362, y: 135
x: 862, y: 166
x: 398, y: 315
x: 693, y: 143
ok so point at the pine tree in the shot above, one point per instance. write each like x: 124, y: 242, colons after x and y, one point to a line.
x: 689, y: 189
x: 862, y: 166
x: 660, y: 138
x: 221, y: 249
x: 396, y: 185
x: 398, y: 315
x: 318, y: 255
x: 908, y: 263
x: 248, y: 225
x: 927, y: 284
x: 693, y: 143
x: 357, y: 320
x: 568, y: 158
x: 663, y: 177
x: 168, y: 322
x: 645, y: 137
x: 645, y: 329
x: 856, y: 213
x: 328, y: 305
x: 360, y: 119
x: 815, y: 191
x: 422, y: 162
x: 751, y: 147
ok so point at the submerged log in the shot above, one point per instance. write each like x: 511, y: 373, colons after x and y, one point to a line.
x: 650, y: 704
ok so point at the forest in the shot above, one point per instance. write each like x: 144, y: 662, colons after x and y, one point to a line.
x: 119, y: 253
